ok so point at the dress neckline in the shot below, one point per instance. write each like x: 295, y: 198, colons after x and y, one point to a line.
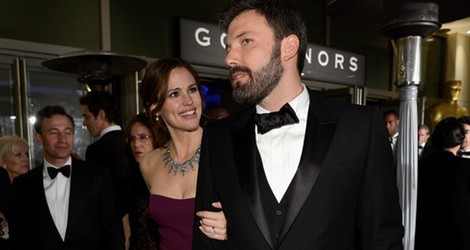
x: 170, y: 198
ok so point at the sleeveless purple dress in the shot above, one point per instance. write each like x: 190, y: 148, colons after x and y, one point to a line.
x: 174, y: 219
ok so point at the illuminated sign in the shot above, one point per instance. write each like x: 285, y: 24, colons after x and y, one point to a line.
x: 202, y: 43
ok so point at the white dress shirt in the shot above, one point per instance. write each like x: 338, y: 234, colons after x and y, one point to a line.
x: 393, y: 142
x: 57, y: 192
x: 280, y: 149
x: 420, y: 149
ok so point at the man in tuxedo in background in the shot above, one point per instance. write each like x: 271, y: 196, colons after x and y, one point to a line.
x: 391, y: 122
x: 101, y: 116
x: 423, y: 136
x: 302, y: 185
x: 65, y: 203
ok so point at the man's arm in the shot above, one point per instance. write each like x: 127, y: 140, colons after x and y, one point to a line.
x: 111, y: 224
x: 205, y: 196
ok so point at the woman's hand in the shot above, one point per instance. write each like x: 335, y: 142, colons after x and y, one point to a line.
x: 213, y: 224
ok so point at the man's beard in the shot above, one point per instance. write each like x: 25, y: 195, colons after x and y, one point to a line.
x: 261, y: 82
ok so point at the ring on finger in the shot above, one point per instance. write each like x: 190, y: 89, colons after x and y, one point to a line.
x: 213, y: 233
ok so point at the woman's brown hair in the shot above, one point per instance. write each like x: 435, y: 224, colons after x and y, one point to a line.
x: 154, y: 87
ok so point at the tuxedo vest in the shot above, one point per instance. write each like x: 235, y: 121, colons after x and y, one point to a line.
x: 273, y: 210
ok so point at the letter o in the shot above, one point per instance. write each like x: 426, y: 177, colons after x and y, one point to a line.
x: 222, y: 40
x: 323, y: 54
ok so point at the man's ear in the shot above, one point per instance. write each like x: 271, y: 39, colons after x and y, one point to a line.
x: 38, y: 138
x: 289, y: 47
x: 101, y: 115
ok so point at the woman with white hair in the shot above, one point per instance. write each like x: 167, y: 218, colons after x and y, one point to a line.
x: 14, y: 159
x: 14, y: 155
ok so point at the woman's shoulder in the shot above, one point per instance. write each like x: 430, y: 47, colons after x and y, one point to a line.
x: 152, y: 159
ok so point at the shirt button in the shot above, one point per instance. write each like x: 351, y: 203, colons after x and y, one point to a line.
x: 278, y: 212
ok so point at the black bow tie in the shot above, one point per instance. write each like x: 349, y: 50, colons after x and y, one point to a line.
x: 266, y: 122
x: 464, y: 153
x: 65, y: 170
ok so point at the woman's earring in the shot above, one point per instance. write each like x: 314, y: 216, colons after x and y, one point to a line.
x: 157, y: 118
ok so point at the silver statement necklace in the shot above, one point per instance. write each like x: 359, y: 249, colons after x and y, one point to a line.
x: 175, y: 167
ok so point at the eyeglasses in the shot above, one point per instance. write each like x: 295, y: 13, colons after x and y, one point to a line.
x: 139, y: 138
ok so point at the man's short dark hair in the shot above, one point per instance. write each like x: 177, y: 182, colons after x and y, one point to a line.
x: 97, y: 100
x: 48, y: 112
x: 448, y: 134
x: 281, y: 16
x: 391, y: 112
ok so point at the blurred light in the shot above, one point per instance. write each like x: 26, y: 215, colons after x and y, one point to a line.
x: 467, y: 32
x: 32, y: 119
x: 12, y: 117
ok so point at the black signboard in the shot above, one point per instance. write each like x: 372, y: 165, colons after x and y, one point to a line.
x: 202, y: 43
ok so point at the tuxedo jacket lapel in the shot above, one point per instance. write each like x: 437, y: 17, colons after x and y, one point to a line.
x: 321, y: 127
x: 40, y: 195
x: 244, y: 147
x: 47, y: 223
x: 78, y: 194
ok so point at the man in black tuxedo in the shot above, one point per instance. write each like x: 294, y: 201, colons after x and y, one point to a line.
x: 424, y: 148
x: 101, y: 113
x: 65, y: 203
x: 392, y: 121
x: 325, y: 180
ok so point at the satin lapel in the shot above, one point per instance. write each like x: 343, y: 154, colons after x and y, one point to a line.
x: 244, y: 151
x: 40, y: 194
x: 43, y: 208
x: 320, y: 130
x: 78, y: 195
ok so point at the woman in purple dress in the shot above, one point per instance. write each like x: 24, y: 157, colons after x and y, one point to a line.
x: 170, y: 91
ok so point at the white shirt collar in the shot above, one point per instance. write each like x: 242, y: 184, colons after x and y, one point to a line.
x: 109, y: 129
x: 299, y: 104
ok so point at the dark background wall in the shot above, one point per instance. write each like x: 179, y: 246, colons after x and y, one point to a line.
x: 72, y: 23
x: 150, y: 28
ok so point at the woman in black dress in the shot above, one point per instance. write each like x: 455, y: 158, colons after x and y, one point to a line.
x: 140, y: 139
x: 443, y: 210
